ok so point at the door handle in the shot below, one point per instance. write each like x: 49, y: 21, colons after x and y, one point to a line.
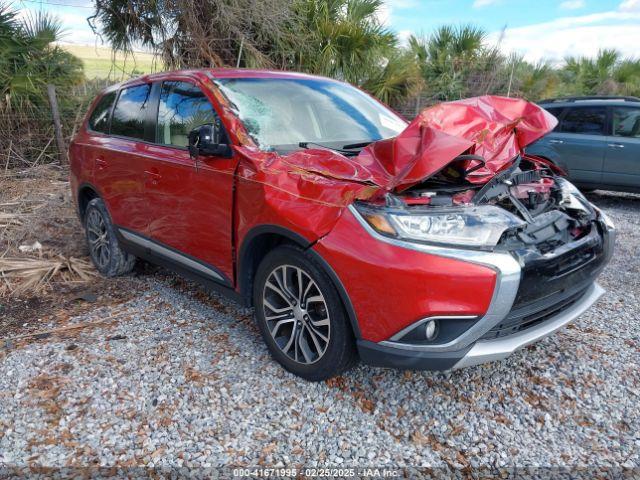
x: 154, y: 177
x: 616, y: 145
x: 556, y: 141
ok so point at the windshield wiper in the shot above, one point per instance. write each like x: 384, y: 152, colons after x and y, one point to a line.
x: 358, y: 145
x: 306, y: 145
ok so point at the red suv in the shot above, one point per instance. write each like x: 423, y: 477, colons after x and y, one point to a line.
x: 432, y: 245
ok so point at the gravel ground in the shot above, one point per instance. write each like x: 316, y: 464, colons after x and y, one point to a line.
x: 175, y: 377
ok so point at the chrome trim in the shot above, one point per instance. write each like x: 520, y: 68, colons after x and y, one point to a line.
x: 507, y: 270
x: 498, y: 349
x: 415, y: 325
x: 171, y: 254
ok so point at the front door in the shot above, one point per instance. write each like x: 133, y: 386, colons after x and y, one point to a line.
x: 622, y: 159
x: 191, y: 201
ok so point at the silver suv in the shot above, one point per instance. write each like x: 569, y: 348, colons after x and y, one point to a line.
x: 597, y: 141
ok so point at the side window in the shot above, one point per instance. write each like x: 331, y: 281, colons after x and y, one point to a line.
x: 626, y: 122
x: 555, y: 111
x: 182, y: 108
x: 130, y: 112
x: 584, y: 120
x: 99, y: 119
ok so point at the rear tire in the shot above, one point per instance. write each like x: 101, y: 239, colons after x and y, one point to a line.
x: 105, y: 251
x: 301, y: 316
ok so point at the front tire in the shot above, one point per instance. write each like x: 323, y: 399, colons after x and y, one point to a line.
x: 105, y: 251
x: 301, y: 316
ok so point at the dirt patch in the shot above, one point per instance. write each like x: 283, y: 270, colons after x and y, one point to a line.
x: 36, y: 206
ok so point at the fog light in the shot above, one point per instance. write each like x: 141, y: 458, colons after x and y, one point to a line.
x: 431, y: 329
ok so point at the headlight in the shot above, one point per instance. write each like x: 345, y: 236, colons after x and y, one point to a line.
x: 605, y: 218
x: 474, y: 227
x: 572, y: 197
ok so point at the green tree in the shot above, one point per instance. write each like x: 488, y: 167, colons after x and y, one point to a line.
x: 347, y: 41
x: 29, y: 59
x: 201, y: 33
x: 606, y: 74
x: 453, y: 60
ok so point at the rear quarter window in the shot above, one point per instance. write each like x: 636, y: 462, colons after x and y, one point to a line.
x: 130, y: 112
x: 99, y: 119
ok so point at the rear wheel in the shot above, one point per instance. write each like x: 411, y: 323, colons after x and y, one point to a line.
x: 301, y: 317
x: 107, y: 256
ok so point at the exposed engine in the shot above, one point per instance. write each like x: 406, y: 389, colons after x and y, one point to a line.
x: 552, y: 214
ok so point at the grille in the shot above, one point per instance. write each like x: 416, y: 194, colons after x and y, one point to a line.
x: 532, y: 315
x: 544, y: 278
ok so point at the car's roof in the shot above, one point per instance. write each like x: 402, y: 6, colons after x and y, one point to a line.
x: 590, y: 101
x: 217, y: 73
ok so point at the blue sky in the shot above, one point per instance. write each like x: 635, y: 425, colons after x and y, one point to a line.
x: 537, y: 29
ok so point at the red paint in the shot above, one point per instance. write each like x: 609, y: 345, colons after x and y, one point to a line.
x: 392, y: 287
x: 206, y: 208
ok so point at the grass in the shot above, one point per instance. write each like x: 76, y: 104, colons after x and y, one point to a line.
x: 99, y: 62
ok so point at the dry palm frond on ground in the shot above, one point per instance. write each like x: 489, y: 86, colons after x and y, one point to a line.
x: 7, y: 219
x: 21, y: 275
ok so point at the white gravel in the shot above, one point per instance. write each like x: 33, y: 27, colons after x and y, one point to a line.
x: 177, y: 380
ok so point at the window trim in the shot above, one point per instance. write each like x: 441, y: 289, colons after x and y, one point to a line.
x: 606, y: 124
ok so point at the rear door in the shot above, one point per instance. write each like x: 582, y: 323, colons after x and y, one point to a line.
x: 191, y: 201
x: 119, y: 157
x: 622, y: 159
x: 580, y: 143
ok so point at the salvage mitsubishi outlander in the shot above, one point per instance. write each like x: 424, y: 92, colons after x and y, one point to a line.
x: 436, y: 244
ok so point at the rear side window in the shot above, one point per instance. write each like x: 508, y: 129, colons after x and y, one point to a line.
x: 99, y: 119
x: 130, y: 112
x: 585, y: 120
x: 626, y: 122
x: 183, y: 107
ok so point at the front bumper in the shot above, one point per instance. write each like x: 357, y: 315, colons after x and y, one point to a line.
x: 482, y: 351
x: 495, y: 336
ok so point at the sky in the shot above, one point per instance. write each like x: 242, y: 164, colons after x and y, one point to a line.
x: 538, y: 29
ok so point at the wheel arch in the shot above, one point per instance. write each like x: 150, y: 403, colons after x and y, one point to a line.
x: 86, y: 193
x: 264, y: 238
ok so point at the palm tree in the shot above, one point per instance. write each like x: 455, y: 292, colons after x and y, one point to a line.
x: 29, y: 59
x: 451, y: 58
x: 607, y: 73
x: 346, y: 40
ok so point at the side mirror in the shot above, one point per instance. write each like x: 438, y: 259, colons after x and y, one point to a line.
x: 209, y: 139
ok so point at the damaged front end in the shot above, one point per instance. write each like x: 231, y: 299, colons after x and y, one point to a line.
x: 527, y: 210
x: 457, y: 191
x: 525, y: 206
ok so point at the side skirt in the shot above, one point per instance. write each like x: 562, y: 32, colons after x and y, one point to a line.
x: 178, y: 262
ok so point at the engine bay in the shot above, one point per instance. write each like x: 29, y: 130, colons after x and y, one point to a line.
x: 552, y: 211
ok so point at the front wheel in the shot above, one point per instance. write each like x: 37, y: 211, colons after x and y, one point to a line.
x: 301, y: 317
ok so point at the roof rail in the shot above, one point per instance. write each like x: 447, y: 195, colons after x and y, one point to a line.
x: 621, y: 98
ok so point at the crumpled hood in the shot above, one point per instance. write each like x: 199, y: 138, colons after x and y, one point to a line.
x: 495, y: 128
